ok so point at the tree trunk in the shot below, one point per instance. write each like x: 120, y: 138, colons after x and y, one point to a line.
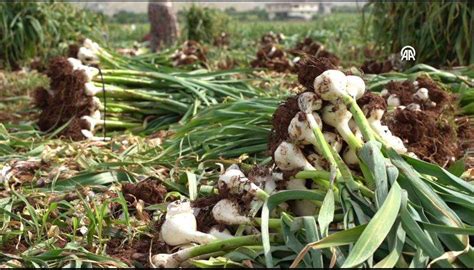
x: 163, y: 24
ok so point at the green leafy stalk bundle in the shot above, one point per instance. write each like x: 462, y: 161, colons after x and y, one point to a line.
x: 133, y: 95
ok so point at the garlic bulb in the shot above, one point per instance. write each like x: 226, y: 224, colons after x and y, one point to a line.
x: 221, y: 235
x: 334, y: 140
x: 166, y: 260
x: 299, y: 130
x: 91, y: 89
x: 227, y: 212
x: 289, y: 157
x: 87, y: 56
x: 422, y: 94
x: 393, y: 101
x: 350, y: 157
x: 90, y: 72
x: 393, y: 141
x: 91, y: 45
x: 309, y: 102
x: 355, y: 86
x: 233, y: 179
x: 338, y: 117
x: 180, y: 226
x: 331, y: 85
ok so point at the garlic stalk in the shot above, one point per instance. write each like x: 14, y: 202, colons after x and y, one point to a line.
x: 338, y: 117
x: 174, y: 260
x: 180, y: 226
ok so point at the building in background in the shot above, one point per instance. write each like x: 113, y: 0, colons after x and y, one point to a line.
x: 296, y: 10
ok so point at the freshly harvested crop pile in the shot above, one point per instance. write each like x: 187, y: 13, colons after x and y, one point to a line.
x: 341, y: 186
x: 424, y: 117
x: 190, y: 52
x: 271, y: 38
x: 313, y: 48
x: 272, y: 56
x: 143, y: 98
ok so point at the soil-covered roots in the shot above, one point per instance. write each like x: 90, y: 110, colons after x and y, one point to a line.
x: 311, y: 67
x: 66, y: 101
x: 273, y: 57
x: 309, y: 47
x: 191, y: 52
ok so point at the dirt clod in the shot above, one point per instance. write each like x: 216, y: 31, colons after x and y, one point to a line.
x: 150, y: 191
x: 311, y: 67
x: 431, y: 138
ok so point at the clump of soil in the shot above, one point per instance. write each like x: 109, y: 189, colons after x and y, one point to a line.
x: 150, y: 191
x: 73, y: 50
x: 465, y: 130
x: 40, y: 97
x: 66, y: 100
x: 271, y: 56
x: 191, y: 52
x: 313, y: 48
x: 222, y: 40
x: 375, y: 67
x: 311, y: 67
x: 280, y: 122
x: 431, y: 138
x: 370, y: 101
x: 405, y: 91
x: 432, y: 132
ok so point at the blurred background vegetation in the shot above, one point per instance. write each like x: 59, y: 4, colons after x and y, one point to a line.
x: 441, y: 31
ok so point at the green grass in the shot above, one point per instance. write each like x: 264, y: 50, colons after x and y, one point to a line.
x: 339, y: 32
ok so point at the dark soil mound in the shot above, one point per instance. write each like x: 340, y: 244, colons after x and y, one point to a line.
x: 270, y: 56
x: 191, y: 52
x: 150, y: 191
x: 374, y: 67
x: 280, y: 122
x: 370, y: 101
x: 310, y: 48
x: 405, y: 90
x: 311, y: 67
x: 430, y: 137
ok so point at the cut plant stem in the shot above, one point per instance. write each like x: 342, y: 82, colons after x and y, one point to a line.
x: 325, y: 176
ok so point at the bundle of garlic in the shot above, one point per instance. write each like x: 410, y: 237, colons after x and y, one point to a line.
x: 139, y: 97
x: 383, y: 196
x: 238, y: 195
x: 326, y: 118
